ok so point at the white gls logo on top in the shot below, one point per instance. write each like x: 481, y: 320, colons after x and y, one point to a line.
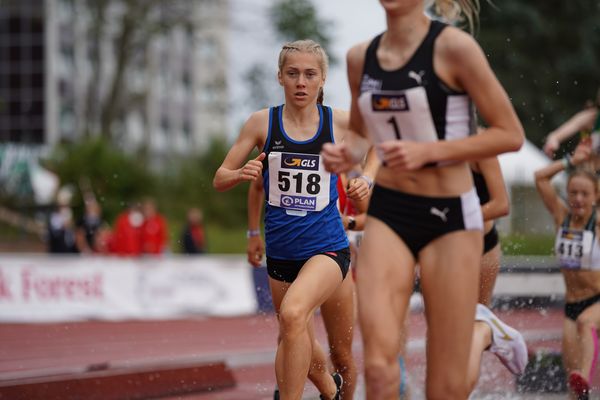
x: 440, y: 213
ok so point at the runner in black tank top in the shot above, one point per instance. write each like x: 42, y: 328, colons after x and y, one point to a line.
x: 411, y: 98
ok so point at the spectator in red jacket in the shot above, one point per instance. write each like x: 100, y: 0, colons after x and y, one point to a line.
x: 127, y: 236
x: 154, y: 229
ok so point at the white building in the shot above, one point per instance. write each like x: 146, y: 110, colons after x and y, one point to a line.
x: 176, y: 87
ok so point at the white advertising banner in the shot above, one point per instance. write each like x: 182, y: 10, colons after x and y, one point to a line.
x: 46, y: 289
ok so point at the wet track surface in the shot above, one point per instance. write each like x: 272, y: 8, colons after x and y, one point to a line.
x: 38, y: 352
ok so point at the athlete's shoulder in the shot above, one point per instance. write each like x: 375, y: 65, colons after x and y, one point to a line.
x: 454, y: 43
x: 341, y: 118
x: 357, y: 53
x: 257, y: 120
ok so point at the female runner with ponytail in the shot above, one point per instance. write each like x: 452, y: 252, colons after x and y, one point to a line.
x: 414, y: 88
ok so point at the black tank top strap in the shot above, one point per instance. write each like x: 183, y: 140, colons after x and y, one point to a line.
x: 424, y: 53
x: 566, y: 222
x: 589, y: 226
x: 275, y: 128
x: 371, y: 63
x: 279, y: 141
x: 327, y: 124
x: 591, y: 222
x: 273, y: 134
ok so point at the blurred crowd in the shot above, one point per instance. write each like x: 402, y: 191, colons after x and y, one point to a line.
x: 140, y: 229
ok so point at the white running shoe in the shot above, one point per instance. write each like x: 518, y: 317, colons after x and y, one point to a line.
x: 507, y: 343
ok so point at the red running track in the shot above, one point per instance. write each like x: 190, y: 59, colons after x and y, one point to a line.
x: 246, y: 344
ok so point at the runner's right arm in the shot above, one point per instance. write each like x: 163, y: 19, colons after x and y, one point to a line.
x: 255, y: 248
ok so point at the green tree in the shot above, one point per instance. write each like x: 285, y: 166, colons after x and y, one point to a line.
x: 191, y: 185
x: 115, y: 177
x: 130, y: 26
x: 546, y: 54
x: 291, y: 20
x: 298, y: 19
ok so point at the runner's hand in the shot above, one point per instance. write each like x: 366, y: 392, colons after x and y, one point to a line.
x: 358, y: 189
x: 252, y: 169
x: 337, y: 158
x: 551, y: 146
x: 255, y: 250
x: 404, y: 155
x: 582, y: 152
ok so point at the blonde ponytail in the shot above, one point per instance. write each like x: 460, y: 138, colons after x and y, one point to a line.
x: 459, y: 11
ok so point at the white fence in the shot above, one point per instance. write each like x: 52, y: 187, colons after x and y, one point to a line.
x: 40, y: 288
x: 43, y: 288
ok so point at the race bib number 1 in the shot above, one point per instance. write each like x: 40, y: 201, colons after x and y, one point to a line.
x: 298, y: 182
x: 398, y: 115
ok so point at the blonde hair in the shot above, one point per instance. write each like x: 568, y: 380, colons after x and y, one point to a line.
x: 306, y: 46
x: 585, y: 172
x: 459, y: 11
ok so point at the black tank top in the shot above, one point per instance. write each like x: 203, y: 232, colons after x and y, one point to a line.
x: 278, y: 140
x: 451, y: 112
x: 292, y: 230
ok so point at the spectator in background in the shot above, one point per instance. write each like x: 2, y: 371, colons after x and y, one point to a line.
x: 127, y: 236
x: 104, y: 242
x: 88, y: 226
x: 60, y: 227
x: 193, y: 238
x: 154, y: 229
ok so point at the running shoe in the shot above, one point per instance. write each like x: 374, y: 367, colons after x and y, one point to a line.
x: 579, y: 385
x: 339, y: 381
x: 507, y: 343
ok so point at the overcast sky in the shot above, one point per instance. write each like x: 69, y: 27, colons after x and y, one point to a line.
x: 252, y: 40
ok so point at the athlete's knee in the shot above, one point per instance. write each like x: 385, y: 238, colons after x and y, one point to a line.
x: 292, y: 319
x: 381, y: 377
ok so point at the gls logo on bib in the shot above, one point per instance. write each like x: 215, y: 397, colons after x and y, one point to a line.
x: 389, y: 102
x: 300, y: 161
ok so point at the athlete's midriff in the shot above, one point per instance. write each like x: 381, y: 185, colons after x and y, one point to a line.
x: 447, y: 181
x: 581, y: 284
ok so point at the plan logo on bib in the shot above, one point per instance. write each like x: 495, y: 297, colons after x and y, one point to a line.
x: 299, y: 202
x: 300, y: 161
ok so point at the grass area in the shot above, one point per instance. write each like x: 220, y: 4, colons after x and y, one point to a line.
x: 226, y: 240
x: 9, y: 232
x: 533, y: 245
x: 219, y: 240
x: 222, y: 240
x: 233, y: 241
x: 15, y: 239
